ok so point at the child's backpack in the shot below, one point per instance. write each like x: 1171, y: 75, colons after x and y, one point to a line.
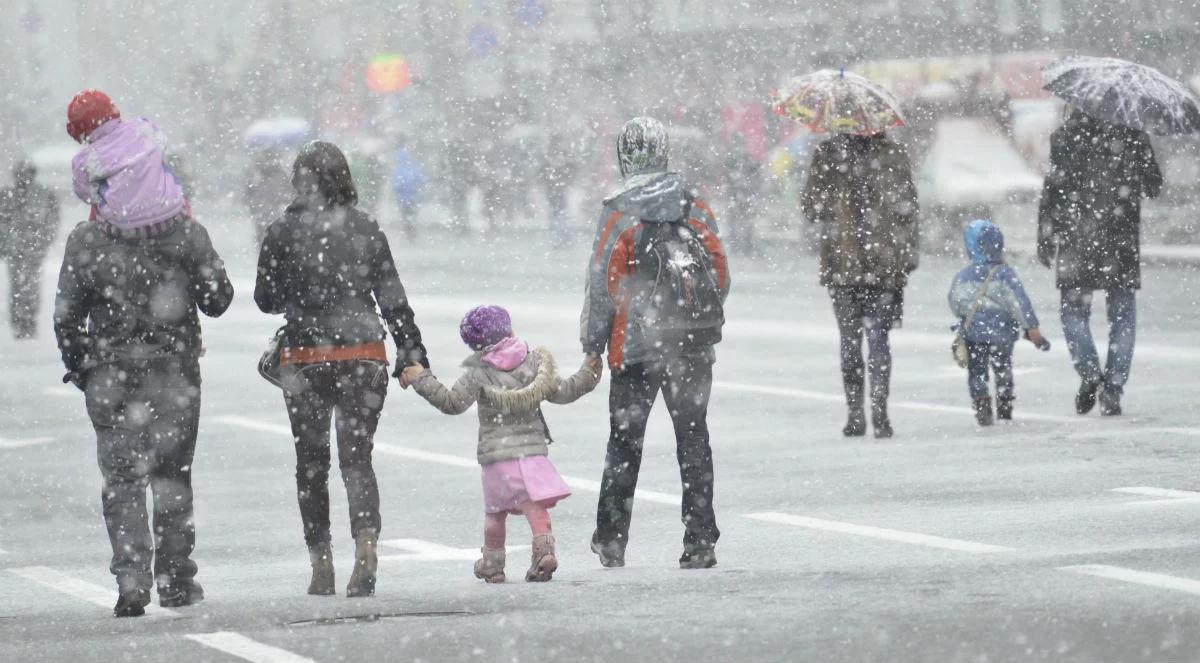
x: 677, y: 300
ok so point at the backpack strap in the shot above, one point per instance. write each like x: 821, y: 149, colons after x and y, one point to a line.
x: 979, y: 298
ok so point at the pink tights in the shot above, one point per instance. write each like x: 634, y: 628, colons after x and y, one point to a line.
x: 494, y: 524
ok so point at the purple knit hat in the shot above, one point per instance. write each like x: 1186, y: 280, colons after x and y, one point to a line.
x: 485, y: 325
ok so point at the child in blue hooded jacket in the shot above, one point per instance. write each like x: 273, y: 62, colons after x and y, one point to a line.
x: 990, y: 294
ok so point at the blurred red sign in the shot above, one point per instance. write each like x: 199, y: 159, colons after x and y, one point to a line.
x: 388, y: 73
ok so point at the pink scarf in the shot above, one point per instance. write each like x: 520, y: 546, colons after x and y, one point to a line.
x: 507, y: 354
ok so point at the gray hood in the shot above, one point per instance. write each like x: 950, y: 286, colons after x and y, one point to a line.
x: 659, y: 197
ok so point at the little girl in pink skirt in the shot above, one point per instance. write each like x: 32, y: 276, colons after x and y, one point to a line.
x: 509, y: 382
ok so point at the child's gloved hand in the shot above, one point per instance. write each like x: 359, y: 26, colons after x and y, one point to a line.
x: 1035, y: 337
x: 409, y: 375
x: 595, y: 364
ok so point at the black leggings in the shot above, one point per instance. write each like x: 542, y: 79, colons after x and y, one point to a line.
x: 354, y: 391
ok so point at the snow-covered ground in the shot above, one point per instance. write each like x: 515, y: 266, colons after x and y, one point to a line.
x: 1057, y: 538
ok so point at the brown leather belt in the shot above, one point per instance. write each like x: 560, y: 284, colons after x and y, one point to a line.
x: 375, y: 351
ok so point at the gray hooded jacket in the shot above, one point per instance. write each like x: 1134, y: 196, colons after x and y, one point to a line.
x: 511, y: 424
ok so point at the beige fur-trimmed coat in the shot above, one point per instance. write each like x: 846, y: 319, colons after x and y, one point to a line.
x: 510, y: 415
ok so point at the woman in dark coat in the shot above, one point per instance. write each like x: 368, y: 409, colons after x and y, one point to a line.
x: 860, y: 189
x: 327, y: 268
x: 1089, y: 232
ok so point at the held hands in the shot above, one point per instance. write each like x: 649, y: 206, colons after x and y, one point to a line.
x: 594, y: 363
x: 409, y: 375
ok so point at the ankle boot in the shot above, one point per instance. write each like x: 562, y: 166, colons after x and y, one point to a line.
x: 321, y: 558
x: 856, y: 419
x: 490, y: 567
x: 880, y: 421
x: 1004, y: 409
x: 983, y: 411
x: 366, y: 563
x: 543, y: 563
x: 856, y: 423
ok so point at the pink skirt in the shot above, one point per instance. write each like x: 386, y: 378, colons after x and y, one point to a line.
x: 508, y: 484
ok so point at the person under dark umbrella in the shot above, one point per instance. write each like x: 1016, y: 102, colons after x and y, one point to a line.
x: 328, y: 268
x: 29, y: 219
x: 860, y: 190
x: 1089, y: 232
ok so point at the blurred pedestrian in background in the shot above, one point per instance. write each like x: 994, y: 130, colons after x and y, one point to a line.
x: 29, y: 220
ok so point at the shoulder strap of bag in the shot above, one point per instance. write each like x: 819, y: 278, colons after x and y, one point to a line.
x: 979, y: 299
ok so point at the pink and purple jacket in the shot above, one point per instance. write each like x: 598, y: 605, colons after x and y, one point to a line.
x: 122, y: 174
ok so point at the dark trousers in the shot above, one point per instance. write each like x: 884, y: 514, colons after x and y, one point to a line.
x: 870, y: 312
x: 146, y: 417
x: 1076, y: 313
x: 353, y: 391
x: 24, y: 294
x: 999, y: 357
x: 685, y: 384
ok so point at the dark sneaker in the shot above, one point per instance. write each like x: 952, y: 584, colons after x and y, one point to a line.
x: 612, y: 555
x: 703, y: 558
x: 856, y: 423
x: 1085, y: 400
x: 983, y: 411
x: 132, y: 603
x: 1110, y: 403
x: 181, y: 593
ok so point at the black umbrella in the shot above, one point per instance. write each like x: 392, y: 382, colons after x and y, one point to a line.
x: 1124, y: 93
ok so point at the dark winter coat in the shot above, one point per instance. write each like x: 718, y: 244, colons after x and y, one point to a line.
x: 330, y: 272
x: 133, y: 299
x: 860, y: 189
x: 1090, y: 213
x: 29, y: 218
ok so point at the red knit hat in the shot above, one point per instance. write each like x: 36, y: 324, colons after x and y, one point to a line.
x: 88, y: 110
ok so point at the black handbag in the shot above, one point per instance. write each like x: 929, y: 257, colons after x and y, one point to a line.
x: 268, y: 363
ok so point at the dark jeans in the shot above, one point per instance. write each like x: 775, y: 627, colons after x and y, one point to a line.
x: 146, y: 416
x: 685, y: 383
x: 1122, y: 327
x: 25, y: 289
x: 871, y: 312
x: 354, y: 391
x: 999, y: 357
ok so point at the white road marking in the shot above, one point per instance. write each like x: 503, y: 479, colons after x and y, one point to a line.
x: 575, y: 483
x: 419, y: 550
x: 806, y: 394
x: 878, y: 533
x: 236, y: 644
x: 62, y: 391
x: 21, y: 444
x: 1169, y: 495
x: 1159, y: 580
x: 80, y: 589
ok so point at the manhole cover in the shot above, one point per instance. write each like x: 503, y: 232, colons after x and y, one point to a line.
x: 380, y: 616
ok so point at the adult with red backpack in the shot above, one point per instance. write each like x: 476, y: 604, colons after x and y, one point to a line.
x: 655, y: 296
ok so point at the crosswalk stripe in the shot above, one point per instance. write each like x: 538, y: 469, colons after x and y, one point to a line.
x: 82, y: 590
x: 878, y: 533
x: 1159, y: 580
x: 575, y: 483
x: 247, y: 649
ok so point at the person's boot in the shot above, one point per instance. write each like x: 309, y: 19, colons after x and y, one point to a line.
x: 983, y: 411
x: 132, y: 603
x: 1085, y: 400
x: 321, y: 558
x: 698, y: 558
x: 490, y: 567
x: 542, y: 563
x: 612, y: 555
x: 1110, y: 402
x: 366, y: 563
x: 1004, y: 409
x: 880, y: 421
x: 180, y: 593
x: 856, y: 418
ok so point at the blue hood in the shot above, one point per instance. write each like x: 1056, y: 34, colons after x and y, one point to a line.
x: 985, y: 242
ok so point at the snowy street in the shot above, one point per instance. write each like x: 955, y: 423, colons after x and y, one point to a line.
x: 1057, y: 538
